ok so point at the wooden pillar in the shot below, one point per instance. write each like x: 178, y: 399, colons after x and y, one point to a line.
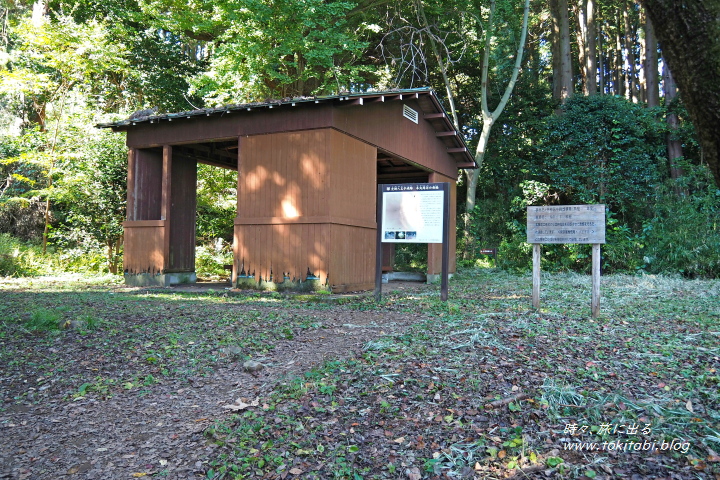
x: 165, y: 204
x: 435, y: 249
x: 537, y: 252
x: 130, y: 204
x: 235, y: 246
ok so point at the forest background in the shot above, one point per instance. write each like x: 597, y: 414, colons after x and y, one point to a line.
x: 562, y: 103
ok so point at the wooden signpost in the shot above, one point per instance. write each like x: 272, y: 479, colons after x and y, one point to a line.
x: 567, y: 224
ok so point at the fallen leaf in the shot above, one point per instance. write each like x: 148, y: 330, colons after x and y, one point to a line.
x: 413, y: 473
x: 241, y: 405
x: 399, y: 440
x: 689, y: 406
x: 296, y: 471
x: 139, y: 474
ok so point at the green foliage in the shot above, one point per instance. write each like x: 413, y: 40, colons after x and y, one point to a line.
x: 216, y: 203
x: 604, y: 149
x: 18, y: 259
x: 43, y: 320
x: 51, y: 59
x: 683, y: 234
x: 266, y: 49
x: 210, y: 260
x: 411, y: 257
x: 92, y: 195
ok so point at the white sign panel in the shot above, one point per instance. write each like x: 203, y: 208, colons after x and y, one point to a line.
x: 566, y: 224
x: 412, y: 213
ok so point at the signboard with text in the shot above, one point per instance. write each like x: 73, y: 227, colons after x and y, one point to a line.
x: 566, y: 224
x: 413, y: 213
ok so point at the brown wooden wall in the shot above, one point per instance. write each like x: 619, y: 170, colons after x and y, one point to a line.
x: 384, y: 125
x: 231, y: 125
x: 306, y: 200
x: 145, y: 184
x: 380, y: 124
x: 183, y: 204
x: 144, y: 250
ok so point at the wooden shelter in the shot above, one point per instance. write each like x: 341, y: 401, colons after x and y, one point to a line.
x: 308, y: 170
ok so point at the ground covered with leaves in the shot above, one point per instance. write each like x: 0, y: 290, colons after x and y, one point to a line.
x: 110, y: 382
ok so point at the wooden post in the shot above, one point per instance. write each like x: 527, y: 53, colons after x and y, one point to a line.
x: 131, y: 213
x: 378, y: 244
x: 446, y: 244
x: 537, y: 250
x: 166, y: 202
x: 595, y: 305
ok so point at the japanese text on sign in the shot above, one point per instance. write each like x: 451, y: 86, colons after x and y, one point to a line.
x: 412, y: 213
x: 566, y: 224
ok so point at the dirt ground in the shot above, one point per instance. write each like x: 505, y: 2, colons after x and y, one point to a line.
x: 130, y: 436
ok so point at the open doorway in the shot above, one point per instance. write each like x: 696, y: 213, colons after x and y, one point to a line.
x: 216, y: 212
x: 216, y: 206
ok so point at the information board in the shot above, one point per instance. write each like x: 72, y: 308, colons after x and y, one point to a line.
x: 413, y: 213
x: 566, y: 224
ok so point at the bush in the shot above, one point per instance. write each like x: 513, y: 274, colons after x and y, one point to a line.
x: 23, y: 218
x: 18, y: 259
x: 210, y: 260
x: 683, y: 235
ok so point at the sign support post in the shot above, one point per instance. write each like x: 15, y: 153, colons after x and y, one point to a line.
x: 445, y: 269
x: 595, y: 302
x: 378, y: 245
x: 537, y: 251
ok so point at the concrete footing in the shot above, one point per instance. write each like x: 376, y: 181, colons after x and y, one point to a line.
x: 160, y: 279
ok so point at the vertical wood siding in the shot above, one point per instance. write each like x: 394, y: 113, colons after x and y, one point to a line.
x: 147, y: 185
x: 383, y: 124
x: 293, y: 190
x: 143, y: 251
x: 183, y: 203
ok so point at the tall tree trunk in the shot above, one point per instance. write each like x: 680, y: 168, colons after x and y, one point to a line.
x: 488, y: 118
x: 562, y: 65
x: 587, y: 50
x: 652, y: 94
x: 630, y: 78
x: 674, y: 147
x: 601, y: 63
x: 689, y: 33
x: 591, y: 43
x: 619, y: 78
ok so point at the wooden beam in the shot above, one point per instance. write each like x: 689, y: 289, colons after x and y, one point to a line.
x: 466, y: 165
x: 195, y: 147
x: 457, y: 150
x: 451, y: 133
x: 394, y: 176
x: 430, y: 116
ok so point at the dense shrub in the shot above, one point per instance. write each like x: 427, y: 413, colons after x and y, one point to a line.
x: 683, y: 234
